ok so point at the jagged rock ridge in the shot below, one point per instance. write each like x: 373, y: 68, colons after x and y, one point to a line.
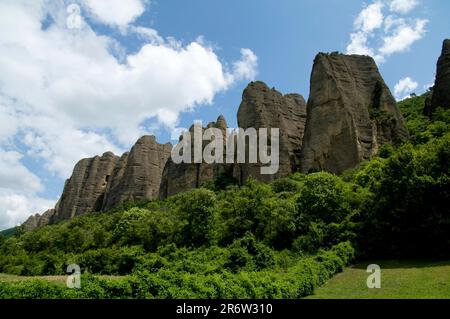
x: 103, y: 182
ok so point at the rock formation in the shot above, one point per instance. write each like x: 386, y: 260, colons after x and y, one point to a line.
x: 263, y: 107
x: 84, y: 191
x: 137, y: 175
x: 103, y: 182
x: 441, y: 90
x: 185, y: 176
x: 36, y: 221
x: 351, y: 113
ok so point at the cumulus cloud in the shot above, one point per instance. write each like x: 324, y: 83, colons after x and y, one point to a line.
x: 403, y: 37
x: 15, y: 176
x: 67, y: 92
x: 18, y: 191
x: 116, y: 12
x: 359, y: 44
x: 370, y: 18
x: 404, y: 87
x: 246, y: 67
x: 382, y: 29
x: 403, y: 6
x: 16, y: 208
x: 74, y: 89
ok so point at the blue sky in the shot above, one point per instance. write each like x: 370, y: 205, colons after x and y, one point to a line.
x: 86, y: 76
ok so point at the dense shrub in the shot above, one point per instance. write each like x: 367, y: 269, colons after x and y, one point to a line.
x: 299, y: 281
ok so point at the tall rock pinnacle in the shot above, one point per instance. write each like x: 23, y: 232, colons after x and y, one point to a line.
x: 137, y: 175
x: 177, y: 178
x: 351, y: 113
x: 263, y: 107
x: 85, y: 189
x: 441, y: 91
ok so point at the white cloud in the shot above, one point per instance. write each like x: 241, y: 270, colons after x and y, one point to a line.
x: 18, y: 191
x: 403, y: 6
x: 15, y: 176
x: 403, y: 37
x: 370, y: 18
x: 380, y: 35
x: 404, y: 87
x: 67, y: 92
x: 246, y: 67
x: 116, y: 12
x: 148, y: 34
x: 359, y: 44
x: 74, y: 89
x: 16, y: 208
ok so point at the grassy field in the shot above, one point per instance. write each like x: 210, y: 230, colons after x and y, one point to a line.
x: 61, y: 280
x: 399, y: 280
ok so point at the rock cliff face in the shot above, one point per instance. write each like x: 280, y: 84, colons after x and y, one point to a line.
x: 263, y: 107
x: 104, y: 182
x: 36, y: 221
x: 351, y: 112
x: 185, y: 176
x: 84, y: 191
x: 137, y: 175
x: 441, y: 91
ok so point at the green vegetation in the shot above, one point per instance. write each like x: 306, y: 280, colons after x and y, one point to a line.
x: 400, y: 279
x: 8, y: 232
x: 253, y: 241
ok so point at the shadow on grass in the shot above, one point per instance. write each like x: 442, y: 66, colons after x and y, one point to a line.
x: 398, y: 264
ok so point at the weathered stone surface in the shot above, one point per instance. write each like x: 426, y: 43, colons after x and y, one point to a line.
x: 137, y: 175
x: 263, y: 107
x: 351, y: 113
x: 36, y: 221
x: 84, y: 191
x: 441, y: 90
x: 182, y: 177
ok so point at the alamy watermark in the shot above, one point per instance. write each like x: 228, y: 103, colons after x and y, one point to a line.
x: 74, y: 279
x: 374, y: 280
x: 229, y: 146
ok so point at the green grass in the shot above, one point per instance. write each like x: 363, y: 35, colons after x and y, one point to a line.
x: 399, y: 280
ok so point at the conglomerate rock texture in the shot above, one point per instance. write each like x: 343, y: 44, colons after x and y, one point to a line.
x: 84, y: 191
x: 179, y: 177
x: 263, y: 107
x: 137, y: 175
x: 350, y: 114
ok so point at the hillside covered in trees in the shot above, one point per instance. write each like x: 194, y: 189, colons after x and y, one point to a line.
x: 278, y: 240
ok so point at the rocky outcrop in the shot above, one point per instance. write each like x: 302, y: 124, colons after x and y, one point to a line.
x: 36, y: 221
x: 103, y: 182
x: 181, y: 177
x: 263, y: 107
x: 137, y: 175
x: 351, y: 113
x: 84, y: 191
x: 441, y: 90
